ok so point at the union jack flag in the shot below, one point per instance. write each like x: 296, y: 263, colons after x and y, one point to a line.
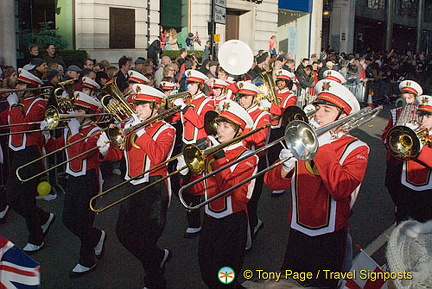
x: 17, y: 269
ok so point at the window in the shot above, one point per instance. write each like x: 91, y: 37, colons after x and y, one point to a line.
x: 122, y: 28
x: 376, y: 4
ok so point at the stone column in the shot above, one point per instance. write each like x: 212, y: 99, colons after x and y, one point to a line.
x: 7, y: 33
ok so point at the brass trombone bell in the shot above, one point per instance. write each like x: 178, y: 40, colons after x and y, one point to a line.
x: 404, y: 142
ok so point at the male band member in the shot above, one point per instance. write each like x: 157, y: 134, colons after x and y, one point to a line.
x: 226, y: 220
x: 142, y: 218
x: 285, y: 98
x: 416, y: 193
x: 192, y: 117
x: 84, y: 181
x: 27, y: 147
x: 323, y: 191
x: 247, y: 98
x: 167, y: 87
x: 409, y: 91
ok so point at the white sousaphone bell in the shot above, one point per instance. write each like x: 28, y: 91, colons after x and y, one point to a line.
x: 235, y: 57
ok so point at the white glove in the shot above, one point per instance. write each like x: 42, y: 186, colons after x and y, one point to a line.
x: 314, y: 123
x: 265, y: 103
x: 325, y: 138
x: 103, y: 143
x: 180, y: 102
x: 291, y: 162
x: 181, y: 163
x: 309, y: 108
x: 45, y: 131
x: 213, y: 140
x: 74, y: 126
x: 12, y: 99
x: 411, y: 125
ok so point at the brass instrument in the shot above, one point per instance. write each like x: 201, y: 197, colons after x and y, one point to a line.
x: 168, y: 103
x: 22, y: 179
x: 235, y: 57
x: 63, y: 102
x: 114, y: 102
x: 401, y: 140
x: 299, y: 138
x: 53, y: 116
x: 268, y: 87
x: 45, y: 91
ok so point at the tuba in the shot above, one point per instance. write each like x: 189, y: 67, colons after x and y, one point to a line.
x: 266, y: 84
x: 235, y: 57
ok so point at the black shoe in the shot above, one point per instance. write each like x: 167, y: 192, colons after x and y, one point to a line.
x: 100, y: 247
x: 192, y: 232
x: 80, y: 270
x: 277, y: 194
x: 4, y: 215
x: 30, y: 248
x: 165, y: 259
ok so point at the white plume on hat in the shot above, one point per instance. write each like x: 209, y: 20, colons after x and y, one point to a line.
x: 409, y: 249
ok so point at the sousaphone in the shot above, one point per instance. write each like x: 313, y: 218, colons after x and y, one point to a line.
x: 235, y: 57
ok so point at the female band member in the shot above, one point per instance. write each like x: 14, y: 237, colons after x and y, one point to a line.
x: 142, y: 217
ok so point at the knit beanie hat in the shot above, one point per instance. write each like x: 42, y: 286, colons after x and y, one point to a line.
x: 409, y: 249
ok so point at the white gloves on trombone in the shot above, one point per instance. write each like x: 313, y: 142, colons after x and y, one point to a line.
x: 180, y: 164
x: 74, y: 126
x: 44, y: 127
x: 309, y: 108
x: 289, y: 164
x: 103, y: 143
x: 265, y: 103
x: 180, y: 102
x: 411, y: 125
x: 12, y: 99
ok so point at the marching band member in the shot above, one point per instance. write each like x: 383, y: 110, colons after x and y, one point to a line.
x: 323, y: 191
x: 223, y: 75
x: 89, y: 86
x: 168, y: 87
x: 142, y: 218
x: 409, y: 91
x: 27, y: 147
x: 416, y: 193
x: 134, y: 78
x: 247, y: 98
x: 220, y: 89
x: 192, y: 117
x: 226, y: 220
x: 285, y: 98
x: 84, y: 181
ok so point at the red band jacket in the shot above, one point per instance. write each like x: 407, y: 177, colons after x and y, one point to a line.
x: 324, y: 190
x: 285, y: 98
x: 151, y: 148
x: 259, y: 139
x: 416, y: 173
x: 86, y: 162
x: 31, y: 109
x: 237, y: 199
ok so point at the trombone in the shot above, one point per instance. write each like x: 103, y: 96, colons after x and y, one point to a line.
x: 49, y: 88
x: 22, y: 179
x: 300, y: 139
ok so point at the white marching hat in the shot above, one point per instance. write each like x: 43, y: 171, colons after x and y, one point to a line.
x: 284, y: 74
x: 136, y: 77
x: 425, y: 103
x: 28, y: 77
x: 329, y: 91
x: 90, y: 83
x: 166, y: 85
x: 148, y: 93
x: 334, y: 75
x: 86, y: 101
x: 248, y: 88
x: 195, y: 76
x: 409, y: 249
x: 233, y: 112
x: 220, y: 83
x: 411, y: 86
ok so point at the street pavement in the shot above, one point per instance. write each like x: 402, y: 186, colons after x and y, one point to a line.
x: 373, y: 214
